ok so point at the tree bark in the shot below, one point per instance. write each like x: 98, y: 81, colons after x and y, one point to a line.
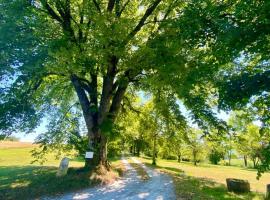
x: 245, y: 160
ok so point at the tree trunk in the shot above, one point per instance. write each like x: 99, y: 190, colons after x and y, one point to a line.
x: 230, y: 157
x: 98, y: 145
x: 154, y: 151
x: 245, y: 160
x: 134, y: 148
x: 254, y: 163
x: 179, y: 158
x: 138, y: 147
x: 194, y: 157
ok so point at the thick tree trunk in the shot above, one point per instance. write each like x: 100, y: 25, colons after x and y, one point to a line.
x: 103, y: 151
x: 98, y: 145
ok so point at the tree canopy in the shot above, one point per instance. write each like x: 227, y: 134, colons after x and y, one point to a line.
x: 68, y: 60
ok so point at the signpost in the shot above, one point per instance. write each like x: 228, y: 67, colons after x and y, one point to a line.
x: 89, y: 154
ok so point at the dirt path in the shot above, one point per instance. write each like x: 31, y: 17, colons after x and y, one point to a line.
x: 130, y: 187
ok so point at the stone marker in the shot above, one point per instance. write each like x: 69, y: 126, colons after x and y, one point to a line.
x: 63, y: 167
x: 268, y: 192
x: 237, y: 185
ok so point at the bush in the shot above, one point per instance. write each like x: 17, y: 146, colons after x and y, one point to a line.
x: 114, y: 149
x: 186, y: 159
x: 215, y: 156
x: 171, y: 157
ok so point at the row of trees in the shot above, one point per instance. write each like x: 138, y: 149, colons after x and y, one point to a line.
x: 147, y: 130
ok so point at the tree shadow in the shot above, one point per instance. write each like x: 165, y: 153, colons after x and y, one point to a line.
x: 194, y: 188
x: 24, y: 182
x: 199, y: 188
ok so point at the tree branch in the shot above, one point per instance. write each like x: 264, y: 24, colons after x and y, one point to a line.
x: 137, y: 28
x: 97, y: 6
x: 129, y: 104
x: 116, y: 102
x: 85, y: 104
x: 117, y: 7
x: 110, y: 5
x: 51, y: 12
x: 108, y: 80
x: 123, y: 8
x: 81, y: 93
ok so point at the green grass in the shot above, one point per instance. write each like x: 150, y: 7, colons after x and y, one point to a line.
x: 208, y: 181
x: 24, y: 182
x: 19, y: 179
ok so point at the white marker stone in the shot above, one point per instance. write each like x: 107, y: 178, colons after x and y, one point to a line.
x: 63, y: 167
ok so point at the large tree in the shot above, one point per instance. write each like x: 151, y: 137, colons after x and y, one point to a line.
x: 67, y: 59
x: 91, y: 47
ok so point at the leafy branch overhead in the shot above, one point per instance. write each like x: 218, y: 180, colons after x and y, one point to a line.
x: 88, y: 58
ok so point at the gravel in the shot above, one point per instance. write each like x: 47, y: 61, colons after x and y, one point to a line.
x: 129, y: 187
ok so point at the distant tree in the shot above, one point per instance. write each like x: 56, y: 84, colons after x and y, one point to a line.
x: 10, y: 138
x: 215, y: 156
x: 246, y: 83
x: 195, y: 145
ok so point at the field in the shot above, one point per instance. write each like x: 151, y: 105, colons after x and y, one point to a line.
x: 208, y: 181
x: 19, y: 179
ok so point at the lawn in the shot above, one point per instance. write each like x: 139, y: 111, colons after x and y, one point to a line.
x: 208, y: 181
x: 19, y: 179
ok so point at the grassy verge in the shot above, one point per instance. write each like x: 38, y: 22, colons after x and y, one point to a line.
x: 19, y: 179
x: 188, y: 186
x: 139, y: 169
x: 24, y: 182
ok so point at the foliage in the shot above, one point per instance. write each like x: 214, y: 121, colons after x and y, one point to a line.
x: 80, y: 63
x: 215, y: 156
x: 195, y: 144
x: 9, y: 138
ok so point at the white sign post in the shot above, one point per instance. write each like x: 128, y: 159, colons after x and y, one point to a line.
x: 89, y: 154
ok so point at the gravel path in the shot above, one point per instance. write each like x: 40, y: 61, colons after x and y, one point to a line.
x: 129, y: 187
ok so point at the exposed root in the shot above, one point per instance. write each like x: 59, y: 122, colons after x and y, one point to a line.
x: 104, y: 176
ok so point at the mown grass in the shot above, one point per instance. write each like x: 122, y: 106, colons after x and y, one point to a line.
x: 19, y: 179
x: 206, y: 182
